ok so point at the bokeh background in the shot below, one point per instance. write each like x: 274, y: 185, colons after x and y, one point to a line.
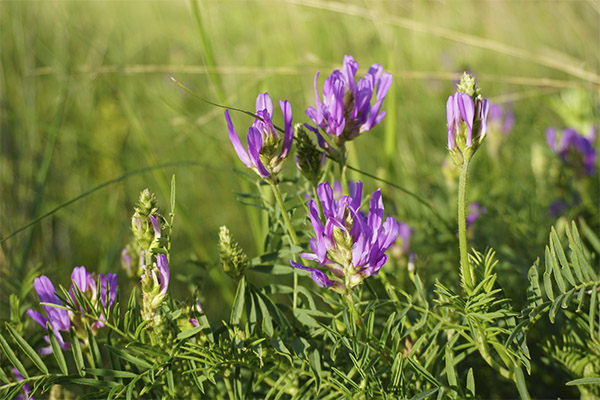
x: 87, y: 97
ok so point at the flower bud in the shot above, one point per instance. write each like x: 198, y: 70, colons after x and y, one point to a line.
x: 466, y: 115
x: 233, y: 258
x: 309, y: 159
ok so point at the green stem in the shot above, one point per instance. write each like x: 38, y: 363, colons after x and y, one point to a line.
x: 465, y: 268
x: 291, y: 233
x: 353, y: 310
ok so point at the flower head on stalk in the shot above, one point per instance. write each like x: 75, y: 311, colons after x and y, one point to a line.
x: 86, y: 284
x: 263, y: 155
x: 349, y: 244
x: 466, y: 115
x: 575, y: 150
x: 345, y: 111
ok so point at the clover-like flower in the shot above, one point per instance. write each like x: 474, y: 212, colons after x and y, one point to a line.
x: 575, y: 150
x: 466, y: 116
x: 345, y: 110
x: 349, y: 244
x: 263, y: 155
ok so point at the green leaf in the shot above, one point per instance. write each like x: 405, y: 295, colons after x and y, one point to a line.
x: 425, y: 394
x: 110, y: 373
x: 27, y: 349
x: 76, y: 348
x: 238, y: 304
x: 12, y: 358
x: 189, y: 332
x: 521, y: 384
x: 554, y: 307
x: 471, y: 383
x: 592, y: 380
x: 315, y: 365
x: 56, y: 350
x: 548, y: 284
x: 94, y: 349
x: 3, y: 376
x: 449, y: 356
x: 94, y: 382
x: 267, y: 322
x: 552, y: 263
x: 129, y: 357
x: 592, y: 312
x: 558, y: 251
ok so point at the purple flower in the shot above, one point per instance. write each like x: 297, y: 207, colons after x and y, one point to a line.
x: 502, y: 119
x: 575, y: 150
x: 163, y: 270
x: 26, y: 387
x: 349, y: 244
x: 263, y: 138
x: 155, y: 282
x: 474, y: 211
x: 345, y: 110
x: 464, y: 113
x: 58, y: 318
x: 87, y: 284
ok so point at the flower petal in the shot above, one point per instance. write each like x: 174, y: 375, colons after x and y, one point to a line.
x: 235, y: 141
x: 288, y: 136
x: 254, y: 146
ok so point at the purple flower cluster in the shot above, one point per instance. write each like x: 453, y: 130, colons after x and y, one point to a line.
x: 461, y: 112
x: 345, y: 110
x: 575, y: 150
x: 263, y: 138
x: 61, y: 319
x: 349, y: 244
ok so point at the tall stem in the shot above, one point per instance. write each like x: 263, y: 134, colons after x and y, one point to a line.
x: 291, y: 233
x: 465, y: 268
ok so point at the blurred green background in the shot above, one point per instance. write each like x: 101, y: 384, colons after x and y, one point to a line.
x: 86, y: 96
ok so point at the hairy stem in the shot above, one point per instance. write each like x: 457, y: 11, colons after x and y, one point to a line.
x: 465, y: 267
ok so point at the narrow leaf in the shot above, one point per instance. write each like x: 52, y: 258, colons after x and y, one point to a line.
x: 552, y: 263
x: 471, y: 383
x: 110, y: 373
x: 238, y: 305
x: 76, y: 348
x: 592, y: 380
x: 27, y: 349
x: 592, y: 312
x: 521, y: 384
x: 56, y: 350
x: 12, y: 358
x: 558, y: 250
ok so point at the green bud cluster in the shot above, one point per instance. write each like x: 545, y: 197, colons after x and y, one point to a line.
x: 233, y: 258
x: 309, y: 159
x: 468, y: 85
